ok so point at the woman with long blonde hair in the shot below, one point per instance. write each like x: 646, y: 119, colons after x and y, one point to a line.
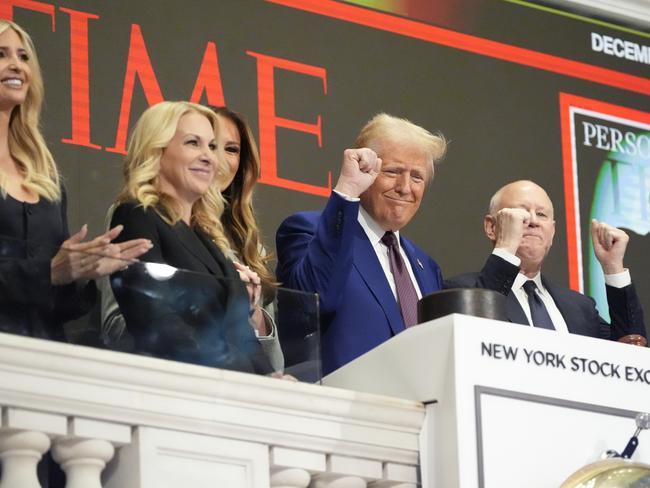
x: 44, y: 272
x: 172, y: 196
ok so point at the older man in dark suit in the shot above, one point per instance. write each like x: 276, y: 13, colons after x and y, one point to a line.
x: 521, y: 226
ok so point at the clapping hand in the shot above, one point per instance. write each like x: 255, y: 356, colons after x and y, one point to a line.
x: 252, y: 281
x: 78, y: 260
x: 254, y: 288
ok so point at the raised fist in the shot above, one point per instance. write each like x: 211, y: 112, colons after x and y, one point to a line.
x: 610, y: 244
x: 359, y: 169
x: 506, y: 228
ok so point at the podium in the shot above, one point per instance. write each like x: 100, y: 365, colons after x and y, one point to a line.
x: 508, y: 405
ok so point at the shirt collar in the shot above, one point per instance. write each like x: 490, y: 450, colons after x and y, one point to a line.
x: 372, y: 229
x: 522, y: 278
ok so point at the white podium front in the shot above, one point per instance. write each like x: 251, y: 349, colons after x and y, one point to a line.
x: 508, y: 405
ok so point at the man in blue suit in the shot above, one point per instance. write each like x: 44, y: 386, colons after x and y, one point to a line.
x: 521, y: 226
x: 368, y: 276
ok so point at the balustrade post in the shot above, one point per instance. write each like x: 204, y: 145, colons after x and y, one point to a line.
x: 87, y: 447
x: 337, y: 481
x: 24, y: 438
x: 391, y: 484
x: 82, y: 460
x: 290, y: 478
x: 20, y: 452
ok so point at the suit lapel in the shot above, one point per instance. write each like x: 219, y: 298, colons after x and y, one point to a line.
x: 425, y: 279
x: 368, y: 266
x: 224, y: 264
x: 568, y: 309
x: 237, y: 304
x: 196, y: 247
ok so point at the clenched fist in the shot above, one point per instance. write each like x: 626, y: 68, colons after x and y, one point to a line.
x: 506, y: 228
x: 610, y: 244
x: 359, y: 170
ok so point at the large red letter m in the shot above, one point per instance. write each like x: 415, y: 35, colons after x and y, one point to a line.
x: 138, y: 65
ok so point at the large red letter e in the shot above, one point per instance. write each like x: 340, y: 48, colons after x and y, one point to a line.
x: 269, y: 121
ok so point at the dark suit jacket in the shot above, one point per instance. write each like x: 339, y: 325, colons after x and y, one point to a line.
x: 30, y: 236
x: 199, y: 314
x: 329, y: 253
x: 579, y: 311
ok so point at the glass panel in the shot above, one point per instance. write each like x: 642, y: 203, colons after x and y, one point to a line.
x: 299, y: 331
x: 157, y: 310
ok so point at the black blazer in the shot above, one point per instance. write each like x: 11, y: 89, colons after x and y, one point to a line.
x: 198, y: 314
x: 30, y: 235
x: 579, y: 311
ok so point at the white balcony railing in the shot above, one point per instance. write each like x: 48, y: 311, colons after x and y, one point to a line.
x: 124, y: 421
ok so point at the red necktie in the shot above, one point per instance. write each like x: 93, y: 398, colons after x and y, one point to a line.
x: 406, y: 294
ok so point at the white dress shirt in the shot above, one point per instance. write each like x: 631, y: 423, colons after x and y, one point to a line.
x: 618, y: 280
x: 375, y: 233
x: 547, y: 299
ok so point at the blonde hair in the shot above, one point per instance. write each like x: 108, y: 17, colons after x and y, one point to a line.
x: 238, y: 217
x: 151, y: 135
x: 385, y: 127
x: 26, y: 143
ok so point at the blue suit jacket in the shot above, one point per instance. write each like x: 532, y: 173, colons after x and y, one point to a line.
x: 329, y: 253
x: 579, y: 311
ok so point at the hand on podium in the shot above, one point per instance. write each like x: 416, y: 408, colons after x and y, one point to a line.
x: 634, y: 339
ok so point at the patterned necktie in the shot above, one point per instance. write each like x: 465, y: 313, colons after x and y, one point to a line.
x: 406, y: 294
x: 538, y: 312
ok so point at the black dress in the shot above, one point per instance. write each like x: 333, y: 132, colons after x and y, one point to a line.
x: 196, y: 311
x: 30, y: 236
